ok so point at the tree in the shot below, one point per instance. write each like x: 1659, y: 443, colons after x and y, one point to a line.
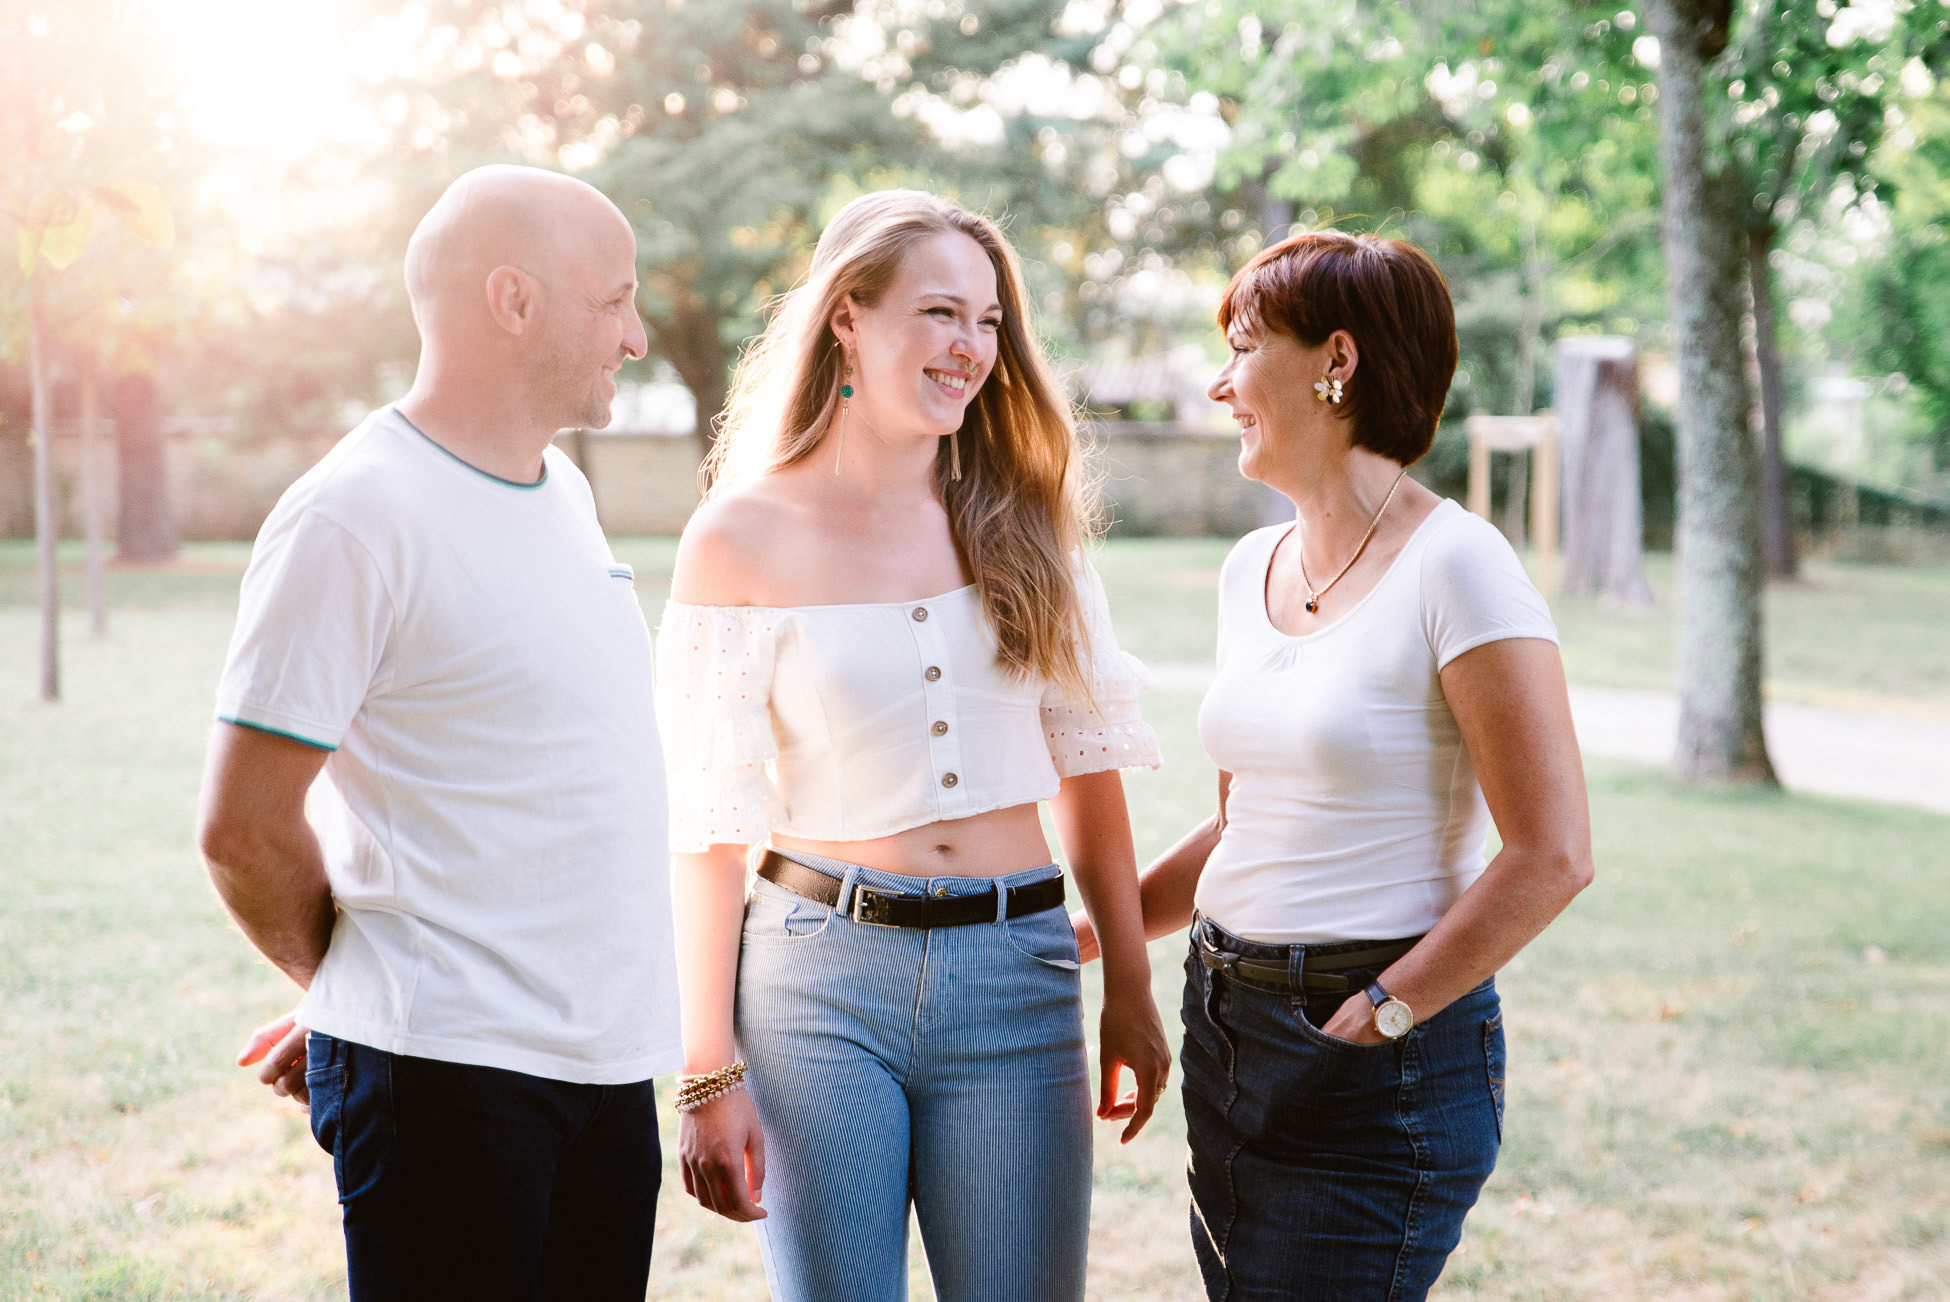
x: 1800, y: 103
x: 1720, y: 726
x: 75, y: 115
x: 1894, y: 313
x: 725, y: 132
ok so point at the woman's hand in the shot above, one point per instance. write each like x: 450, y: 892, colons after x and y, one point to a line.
x: 1129, y: 1034
x: 721, y: 1150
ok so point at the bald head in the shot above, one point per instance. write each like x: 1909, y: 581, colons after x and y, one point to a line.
x: 501, y: 216
x: 523, y: 285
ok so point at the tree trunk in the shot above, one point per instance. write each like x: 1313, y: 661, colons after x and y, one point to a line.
x: 145, y: 528
x: 91, y: 486
x: 689, y: 339
x: 1273, y: 214
x: 1777, y: 518
x: 1596, y: 401
x: 1721, y: 737
x: 47, y: 530
x: 1536, y: 276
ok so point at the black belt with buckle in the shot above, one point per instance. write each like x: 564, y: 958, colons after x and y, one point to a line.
x: 886, y: 909
x: 1317, y: 972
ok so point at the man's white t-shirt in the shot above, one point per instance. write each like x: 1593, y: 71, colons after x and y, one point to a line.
x: 1354, y: 811
x: 492, y: 814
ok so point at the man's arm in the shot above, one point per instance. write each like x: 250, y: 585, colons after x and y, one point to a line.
x: 261, y: 853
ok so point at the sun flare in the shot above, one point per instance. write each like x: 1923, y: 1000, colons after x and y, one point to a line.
x: 272, y: 77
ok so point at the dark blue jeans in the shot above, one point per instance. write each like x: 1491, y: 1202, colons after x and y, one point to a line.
x: 1324, y: 1171
x: 473, y: 1182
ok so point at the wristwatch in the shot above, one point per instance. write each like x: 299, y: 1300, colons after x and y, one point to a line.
x: 1392, y: 1017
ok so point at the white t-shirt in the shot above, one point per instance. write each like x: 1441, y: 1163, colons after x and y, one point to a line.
x: 492, y: 814
x: 1354, y: 812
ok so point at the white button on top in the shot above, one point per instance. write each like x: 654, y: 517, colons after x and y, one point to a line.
x: 920, y: 614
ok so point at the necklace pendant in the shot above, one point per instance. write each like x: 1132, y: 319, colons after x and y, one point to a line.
x: 1312, y: 607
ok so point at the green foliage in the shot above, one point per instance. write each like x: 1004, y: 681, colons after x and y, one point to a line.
x: 1897, y: 313
x: 727, y: 132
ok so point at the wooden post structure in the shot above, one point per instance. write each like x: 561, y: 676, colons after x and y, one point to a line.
x: 1536, y: 435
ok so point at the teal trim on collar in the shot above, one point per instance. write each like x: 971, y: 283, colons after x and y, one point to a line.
x: 275, y: 732
x: 623, y: 572
x: 505, y: 483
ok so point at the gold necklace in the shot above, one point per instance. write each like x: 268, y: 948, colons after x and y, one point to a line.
x: 1313, y: 598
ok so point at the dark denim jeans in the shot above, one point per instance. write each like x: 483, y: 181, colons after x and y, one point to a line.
x: 477, y: 1183
x: 1324, y: 1171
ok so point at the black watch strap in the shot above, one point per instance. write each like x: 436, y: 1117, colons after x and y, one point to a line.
x: 1376, y: 995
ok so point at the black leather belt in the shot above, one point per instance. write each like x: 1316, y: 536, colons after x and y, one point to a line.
x: 886, y: 909
x: 1318, y: 972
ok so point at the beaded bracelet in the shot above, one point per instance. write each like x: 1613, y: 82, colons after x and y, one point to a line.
x: 691, y: 1103
x: 695, y: 1091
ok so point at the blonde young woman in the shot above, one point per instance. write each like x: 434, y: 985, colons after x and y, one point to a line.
x: 883, y: 649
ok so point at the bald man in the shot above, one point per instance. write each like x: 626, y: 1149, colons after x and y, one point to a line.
x: 436, y: 648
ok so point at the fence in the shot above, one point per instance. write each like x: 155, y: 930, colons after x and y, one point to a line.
x: 1155, y: 479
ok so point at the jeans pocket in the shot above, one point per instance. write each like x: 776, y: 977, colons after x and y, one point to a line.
x: 325, y: 1083
x: 775, y: 913
x: 1495, y: 1067
x: 1309, y: 1027
x: 1046, y: 937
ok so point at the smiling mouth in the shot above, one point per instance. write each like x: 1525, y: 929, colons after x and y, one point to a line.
x: 955, y: 382
x: 1245, y: 422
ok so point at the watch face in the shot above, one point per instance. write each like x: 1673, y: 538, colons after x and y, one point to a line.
x: 1393, y: 1019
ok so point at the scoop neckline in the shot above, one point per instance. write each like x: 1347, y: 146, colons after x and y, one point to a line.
x: 1266, y: 570
x: 843, y: 605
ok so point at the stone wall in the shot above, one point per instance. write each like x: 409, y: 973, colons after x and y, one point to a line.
x: 1162, y: 479
x: 1155, y: 479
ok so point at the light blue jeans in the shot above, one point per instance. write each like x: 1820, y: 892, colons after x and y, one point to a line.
x: 942, y: 1067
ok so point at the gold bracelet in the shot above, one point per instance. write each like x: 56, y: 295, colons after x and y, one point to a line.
x: 693, y: 1090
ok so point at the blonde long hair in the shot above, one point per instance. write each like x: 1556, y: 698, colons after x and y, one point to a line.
x: 1020, y: 505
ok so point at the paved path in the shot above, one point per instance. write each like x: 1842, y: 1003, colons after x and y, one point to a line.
x: 1815, y: 748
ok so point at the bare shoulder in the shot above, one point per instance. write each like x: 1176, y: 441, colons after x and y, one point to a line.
x: 730, y: 549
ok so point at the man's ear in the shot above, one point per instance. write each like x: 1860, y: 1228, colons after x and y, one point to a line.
x: 514, y: 299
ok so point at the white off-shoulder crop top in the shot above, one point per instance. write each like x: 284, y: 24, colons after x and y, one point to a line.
x: 850, y: 722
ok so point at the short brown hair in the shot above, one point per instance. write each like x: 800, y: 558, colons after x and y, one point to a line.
x: 1385, y: 293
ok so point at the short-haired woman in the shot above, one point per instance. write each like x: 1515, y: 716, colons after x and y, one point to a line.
x: 884, y: 648
x: 1388, y: 684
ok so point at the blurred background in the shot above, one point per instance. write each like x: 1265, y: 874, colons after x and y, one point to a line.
x: 1139, y: 152
x: 1726, y: 1060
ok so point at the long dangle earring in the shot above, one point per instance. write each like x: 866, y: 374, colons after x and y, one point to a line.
x: 846, y: 397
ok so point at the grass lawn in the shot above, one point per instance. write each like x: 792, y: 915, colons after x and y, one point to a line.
x: 1726, y: 1061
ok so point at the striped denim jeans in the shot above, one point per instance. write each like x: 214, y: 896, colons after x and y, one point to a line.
x: 942, y: 1068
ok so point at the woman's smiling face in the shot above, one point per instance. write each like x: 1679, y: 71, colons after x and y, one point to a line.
x: 1268, y: 384
x: 922, y: 352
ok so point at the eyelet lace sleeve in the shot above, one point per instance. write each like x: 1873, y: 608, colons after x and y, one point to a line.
x: 1107, y: 733
x: 714, y: 687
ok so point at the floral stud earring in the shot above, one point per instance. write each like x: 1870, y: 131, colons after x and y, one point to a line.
x: 1328, y: 389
